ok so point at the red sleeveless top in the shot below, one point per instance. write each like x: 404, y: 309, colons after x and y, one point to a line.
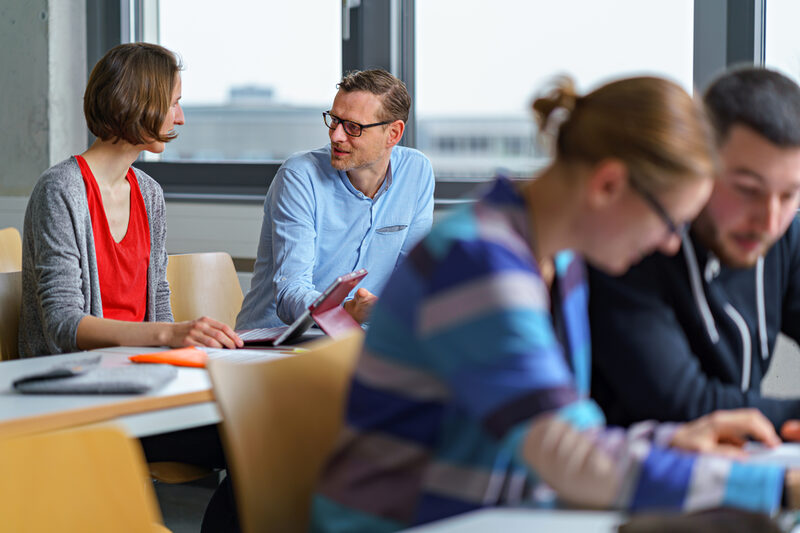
x: 121, y: 266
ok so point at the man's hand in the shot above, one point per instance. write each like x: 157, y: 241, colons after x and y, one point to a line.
x: 791, y: 430
x: 361, y: 305
x: 203, y: 331
x: 724, y: 432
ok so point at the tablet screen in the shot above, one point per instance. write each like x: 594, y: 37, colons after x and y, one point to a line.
x: 333, y: 296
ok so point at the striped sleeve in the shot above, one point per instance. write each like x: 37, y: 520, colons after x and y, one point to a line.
x: 589, y: 464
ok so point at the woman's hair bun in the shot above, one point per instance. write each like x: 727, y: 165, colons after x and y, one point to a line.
x: 556, y: 105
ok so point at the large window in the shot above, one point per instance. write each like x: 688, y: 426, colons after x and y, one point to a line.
x: 475, y: 81
x: 258, y: 75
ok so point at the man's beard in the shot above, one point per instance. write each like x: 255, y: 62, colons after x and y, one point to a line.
x: 710, y: 237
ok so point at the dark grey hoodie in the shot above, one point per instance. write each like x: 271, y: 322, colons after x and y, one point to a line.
x: 678, y: 337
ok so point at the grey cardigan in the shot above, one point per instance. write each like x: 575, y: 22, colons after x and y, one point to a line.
x: 59, y: 268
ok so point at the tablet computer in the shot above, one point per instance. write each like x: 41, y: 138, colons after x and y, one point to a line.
x: 326, y: 311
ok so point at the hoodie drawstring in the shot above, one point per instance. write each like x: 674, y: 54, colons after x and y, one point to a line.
x: 697, y: 289
x: 761, y: 307
x: 708, y: 318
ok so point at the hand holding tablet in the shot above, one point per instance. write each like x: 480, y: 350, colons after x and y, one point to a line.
x: 326, y: 311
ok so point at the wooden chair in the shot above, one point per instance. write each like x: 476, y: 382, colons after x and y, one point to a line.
x: 88, y: 479
x: 10, y: 250
x: 10, y: 303
x: 204, y: 284
x: 281, y: 418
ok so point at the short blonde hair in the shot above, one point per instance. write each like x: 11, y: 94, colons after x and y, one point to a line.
x: 395, y: 100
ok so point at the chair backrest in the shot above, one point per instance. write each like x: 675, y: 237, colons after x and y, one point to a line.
x: 88, y: 479
x: 204, y: 284
x: 10, y: 250
x: 281, y: 418
x: 10, y: 303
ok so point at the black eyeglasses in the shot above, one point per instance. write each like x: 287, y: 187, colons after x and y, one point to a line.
x: 353, y: 129
x: 678, y: 230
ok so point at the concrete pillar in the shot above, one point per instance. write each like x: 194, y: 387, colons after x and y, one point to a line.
x: 43, y: 64
x: 67, y: 67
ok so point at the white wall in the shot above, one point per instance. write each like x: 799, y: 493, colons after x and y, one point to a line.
x: 210, y: 227
x: 783, y: 378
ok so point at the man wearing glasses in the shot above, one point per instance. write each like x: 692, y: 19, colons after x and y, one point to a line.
x: 681, y: 336
x: 360, y: 202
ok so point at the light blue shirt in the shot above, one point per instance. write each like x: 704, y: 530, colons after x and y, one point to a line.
x: 317, y: 226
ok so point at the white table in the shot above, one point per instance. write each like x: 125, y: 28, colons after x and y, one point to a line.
x: 520, y: 520
x: 185, y: 402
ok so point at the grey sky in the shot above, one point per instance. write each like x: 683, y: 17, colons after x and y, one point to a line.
x: 495, y: 55
x: 473, y: 56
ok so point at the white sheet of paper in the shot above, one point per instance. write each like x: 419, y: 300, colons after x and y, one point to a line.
x: 243, y: 355
x: 787, y: 454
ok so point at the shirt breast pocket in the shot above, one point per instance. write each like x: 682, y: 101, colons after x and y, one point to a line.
x: 387, y: 230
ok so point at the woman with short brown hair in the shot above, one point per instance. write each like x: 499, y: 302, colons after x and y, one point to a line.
x: 94, y: 258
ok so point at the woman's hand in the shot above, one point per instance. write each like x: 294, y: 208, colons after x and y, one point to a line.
x: 203, y: 331
x: 725, y: 432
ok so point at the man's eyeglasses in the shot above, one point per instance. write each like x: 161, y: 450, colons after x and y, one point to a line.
x: 353, y: 129
x: 678, y: 230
